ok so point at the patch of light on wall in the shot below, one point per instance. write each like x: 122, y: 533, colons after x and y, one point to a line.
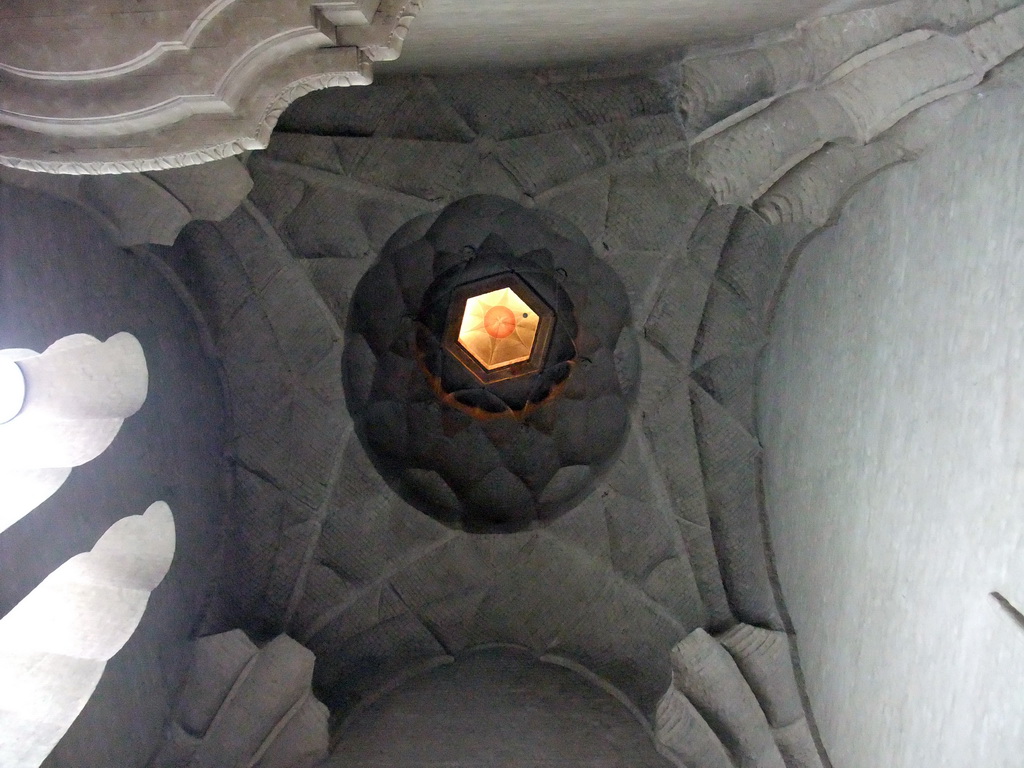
x: 12, y: 389
x: 63, y: 407
x: 55, y: 643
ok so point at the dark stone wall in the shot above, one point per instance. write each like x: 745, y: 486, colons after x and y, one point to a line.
x: 60, y: 273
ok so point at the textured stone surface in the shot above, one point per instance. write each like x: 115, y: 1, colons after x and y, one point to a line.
x: 763, y: 656
x: 465, y: 34
x: 118, y: 88
x: 243, y: 705
x: 889, y: 412
x: 615, y: 583
x: 373, y: 590
x: 706, y: 674
x: 147, y: 208
x: 791, y: 126
x: 495, y: 707
x: 734, y: 702
x: 684, y: 736
x: 731, y: 460
x: 280, y: 350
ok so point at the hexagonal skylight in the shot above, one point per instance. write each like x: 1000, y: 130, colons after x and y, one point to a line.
x: 498, y: 328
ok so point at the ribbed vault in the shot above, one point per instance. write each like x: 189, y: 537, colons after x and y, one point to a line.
x: 697, y: 182
x: 670, y: 541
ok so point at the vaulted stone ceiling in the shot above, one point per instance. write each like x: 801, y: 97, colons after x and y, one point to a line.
x: 651, y: 164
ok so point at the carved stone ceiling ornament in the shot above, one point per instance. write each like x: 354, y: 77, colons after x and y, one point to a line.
x: 124, y: 86
x: 489, y: 363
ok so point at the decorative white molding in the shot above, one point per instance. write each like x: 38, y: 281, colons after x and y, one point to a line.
x: 382, y: 40
x: 346, y: 13
x: 195, y: 92
x: 136, y: 62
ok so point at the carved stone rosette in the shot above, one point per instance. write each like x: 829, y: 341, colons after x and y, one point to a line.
x: 478, y: 452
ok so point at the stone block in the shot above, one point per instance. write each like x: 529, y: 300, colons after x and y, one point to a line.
x: 641, y: 273
x: 642, y: 136
x: 295, y: 443
x: 489, y: 177
x: 425, y: 115
x: 707, y: 676
x: 306, y: 150
x: 678, y: 311
x: 324, y: 594
x: 327, y: 224
x: 244, y: 705
x: 263, y: 512
x: 292, y: 554
x: 254, y: 367
x: 729, y: 326
x: 763, y: 656
x: 669, y: 429
x: 672, y: 585
x: 585, y: 526
x: 731, y: 465
x: 584, y: 202
x: 683, y: 736
x: 302, y: 742
x: 710, y: 235
x: 731, y: 379
x: 137, y: 209
x: 508, y: 107
x: 367, y: 645
x: 217, y: 662
x: 538, y: 163
x: 700, y: 551
x: 614, y: 99
x: 342, y: 111
x: 555, y: 598
x: 255, y: 246
x: 431, y: 170
x: 797, y: 746
x: 653, y: 204
x: 219, y: 285
x: 752, y: 261
x: 209, y: 191
x: 367, y: 531
x: 276, y: 192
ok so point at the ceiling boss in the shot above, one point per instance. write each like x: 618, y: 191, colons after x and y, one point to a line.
x: 489, y: 363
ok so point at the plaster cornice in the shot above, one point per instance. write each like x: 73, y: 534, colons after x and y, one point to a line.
x: 205, y: 92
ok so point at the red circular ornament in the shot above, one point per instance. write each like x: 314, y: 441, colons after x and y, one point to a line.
x: 499, y: 322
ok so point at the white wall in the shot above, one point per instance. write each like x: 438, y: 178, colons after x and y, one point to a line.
x: 892, y: 414
x: 528, y: 33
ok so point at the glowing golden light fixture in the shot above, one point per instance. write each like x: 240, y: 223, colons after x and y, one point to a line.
x: 498, y: 328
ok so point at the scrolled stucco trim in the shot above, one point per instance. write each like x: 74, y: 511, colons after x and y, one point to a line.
x: 215, y: 91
